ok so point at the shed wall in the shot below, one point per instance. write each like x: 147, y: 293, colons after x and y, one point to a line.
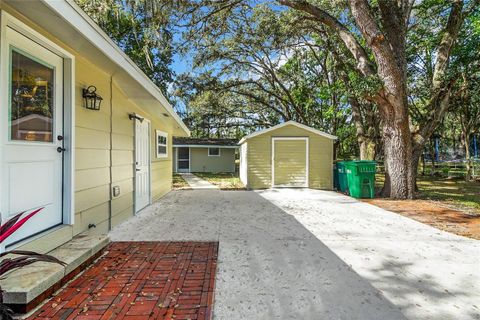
x: 259, y: 158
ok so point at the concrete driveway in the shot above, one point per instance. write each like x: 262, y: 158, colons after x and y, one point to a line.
x: 309, y: 254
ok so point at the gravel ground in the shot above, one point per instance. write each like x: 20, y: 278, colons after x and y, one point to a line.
x: 309, y: 254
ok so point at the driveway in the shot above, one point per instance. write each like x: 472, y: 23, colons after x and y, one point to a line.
x: 309, y: 254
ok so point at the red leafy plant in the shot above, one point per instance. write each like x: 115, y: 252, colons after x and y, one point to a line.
x: 21, y: 258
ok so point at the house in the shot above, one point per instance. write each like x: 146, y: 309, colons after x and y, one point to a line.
x: 85, y: 134
x: 287, y: 155
x: 204, y: 155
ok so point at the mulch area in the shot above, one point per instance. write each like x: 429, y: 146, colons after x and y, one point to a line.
x: 434, y: 214
x: 141, y: 280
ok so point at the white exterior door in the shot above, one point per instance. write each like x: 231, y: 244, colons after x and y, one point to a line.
x: 142, y: 164
x: 31, y: 135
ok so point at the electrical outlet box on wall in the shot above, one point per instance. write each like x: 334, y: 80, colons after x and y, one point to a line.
x: 116, y: 191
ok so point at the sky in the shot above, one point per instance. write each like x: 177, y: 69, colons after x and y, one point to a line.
x: 181, y: 64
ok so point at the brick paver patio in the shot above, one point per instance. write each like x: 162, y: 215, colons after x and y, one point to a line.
x: 141, y: 280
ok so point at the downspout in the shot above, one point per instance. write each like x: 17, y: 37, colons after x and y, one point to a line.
x: 110, y: 157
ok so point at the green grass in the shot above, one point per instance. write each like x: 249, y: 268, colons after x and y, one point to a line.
x: 222, y: 180
x: 178, y: 182
x: 454, y: 192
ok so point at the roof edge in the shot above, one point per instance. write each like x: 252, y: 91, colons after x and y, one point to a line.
x: 290, y: 122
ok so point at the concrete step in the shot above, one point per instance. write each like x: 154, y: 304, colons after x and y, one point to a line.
x: 27, y: 287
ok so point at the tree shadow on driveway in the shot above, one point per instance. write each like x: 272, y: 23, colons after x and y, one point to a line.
x: 270, y: 266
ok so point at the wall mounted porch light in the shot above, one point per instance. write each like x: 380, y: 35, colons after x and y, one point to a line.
x: 91, y: 98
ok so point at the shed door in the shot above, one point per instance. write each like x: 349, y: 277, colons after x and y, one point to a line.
x: 290, y: 162
x: 142, y: 164
x: 32, y: 130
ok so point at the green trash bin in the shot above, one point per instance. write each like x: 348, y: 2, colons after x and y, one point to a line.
x: 361, y: 178
x: 342, y: 176
x: 335, y: 177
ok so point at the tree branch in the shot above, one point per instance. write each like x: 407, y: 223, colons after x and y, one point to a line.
x: 358, y: 52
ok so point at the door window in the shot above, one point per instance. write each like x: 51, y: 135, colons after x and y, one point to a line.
x: 31, y: 99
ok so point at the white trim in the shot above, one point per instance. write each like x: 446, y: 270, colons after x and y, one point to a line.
x: 84, y: 25
x: 214, y: 155
x: 159, y: 133
x: 68, y: 182
x: 243, y: 168
x: 307, y: 162
x: 291, y: 122
x: 204, y: 146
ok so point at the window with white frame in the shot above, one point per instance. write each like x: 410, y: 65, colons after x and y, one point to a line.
x: 214, y: 152
x: 162, y: 144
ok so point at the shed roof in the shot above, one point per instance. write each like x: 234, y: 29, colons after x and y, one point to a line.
x: 207, y: 142
x: 65, y: 20
x: 291, y: 122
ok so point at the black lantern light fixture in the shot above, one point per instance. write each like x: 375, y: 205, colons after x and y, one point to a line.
x: 92, y: 99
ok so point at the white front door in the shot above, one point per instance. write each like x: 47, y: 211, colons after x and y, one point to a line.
x: 31, y: 135
x: 142, y: 164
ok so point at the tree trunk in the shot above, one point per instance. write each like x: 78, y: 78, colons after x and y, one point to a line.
x: 367, y: 148
x: 417, y: 155
x: 398, y: 163
x: 366, y: 144
x: 397, y: 145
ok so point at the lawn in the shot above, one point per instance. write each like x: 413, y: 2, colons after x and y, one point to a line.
x: 225, y: 181
x: 453, y: 192
x: 178, y: 182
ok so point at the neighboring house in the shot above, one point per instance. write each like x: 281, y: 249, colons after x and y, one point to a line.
x: 204, y: 155
x: 87, y: 168
x: 287, y: 155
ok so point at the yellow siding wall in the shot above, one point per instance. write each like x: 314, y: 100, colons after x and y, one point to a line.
x: 259, y: 158
x: 93, y: 154
x: 92, y: 159
x: 161, y: 170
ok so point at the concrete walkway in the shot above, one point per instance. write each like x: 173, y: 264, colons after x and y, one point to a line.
x: 308, y: 254
x: 197, y: 183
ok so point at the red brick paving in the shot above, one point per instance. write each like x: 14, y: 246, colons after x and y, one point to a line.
x: 141, y: 280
